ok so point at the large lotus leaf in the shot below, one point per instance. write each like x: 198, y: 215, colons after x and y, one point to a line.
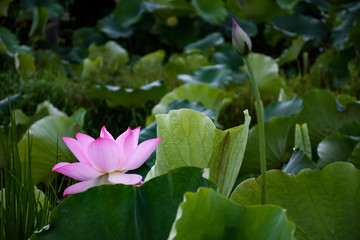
x: 227, y: 155
x: 322, y: 204
x: 292, y: 53
x: 150, y: 67
x: 150, y: 131
x: 299, y: 161
x: 331, y: 68
x: 128, y: 97
x: 209, y: 215
x: 128, y: 12
x: 112, y: 54
x: 321, y: 113
x: 185, y: 63
x: 266, y: 73
x: 279, y: 137
x: 25, y: 65
x: 340, y: 34
x: 258, y: 10
x: 164, y: 9
x: 227, y: 55
x: 294, y: 25
x: 112, y: 30
x: 211, y: 40
x: 283, y: 108
x: 211, y: 98
x: 47, y: 147
x: 43, y: 109
x: 91, y: 67
x: 124, y: 211
x: 335, y: 148
x: 38, y: 25
x: 212, y: 11
x: 188, y: 138
x: 4, y: 4
x: 8, y: 42
x: 214, y: 75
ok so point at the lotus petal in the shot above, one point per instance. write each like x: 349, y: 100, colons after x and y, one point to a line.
x: 78, y: 171
x: 141, y: 154
x: 83, y: 186
x: 104, y: 154
x: 105, y: 134
x: 128, y: 179
x: 77, y: 149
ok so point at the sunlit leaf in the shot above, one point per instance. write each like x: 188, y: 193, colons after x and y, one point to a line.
x: 187, y: 140
x: 47, y: 145
x: 227, y: 156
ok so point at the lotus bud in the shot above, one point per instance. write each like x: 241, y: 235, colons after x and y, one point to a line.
x: 240, y: 40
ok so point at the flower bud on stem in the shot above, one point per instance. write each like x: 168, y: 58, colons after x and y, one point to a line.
x: 242, y: 44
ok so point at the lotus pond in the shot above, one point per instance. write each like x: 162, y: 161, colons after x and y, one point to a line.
x: 175, y: 119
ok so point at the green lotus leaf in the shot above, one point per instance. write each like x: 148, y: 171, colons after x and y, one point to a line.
x: 213, y: 11
x: 211, y: 40
x: 299, y: 161
x: 227, y: 155
x: 128, y: 12
x: 47, y: 147
x: 129, y: 97
x: 258, y: 10
x: 294, y: 25
x: 25, y: 65
x: 335, y: 148
x: 322, y: 204
x: 145, y: 212
x: 188, y: 138
x: 292, y: 53
x: 214, y: 75
x: 279, y: 137
x: 209, y: 215
x: 38, y: 26
x: 323, y: 115
x: 283, y: 108
x: 211, y: 98
x: 266, y: 73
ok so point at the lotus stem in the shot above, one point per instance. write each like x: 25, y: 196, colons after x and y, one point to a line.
x: 260, y: 118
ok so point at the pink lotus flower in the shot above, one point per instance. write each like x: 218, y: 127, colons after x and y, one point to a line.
x: 105, y: 160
